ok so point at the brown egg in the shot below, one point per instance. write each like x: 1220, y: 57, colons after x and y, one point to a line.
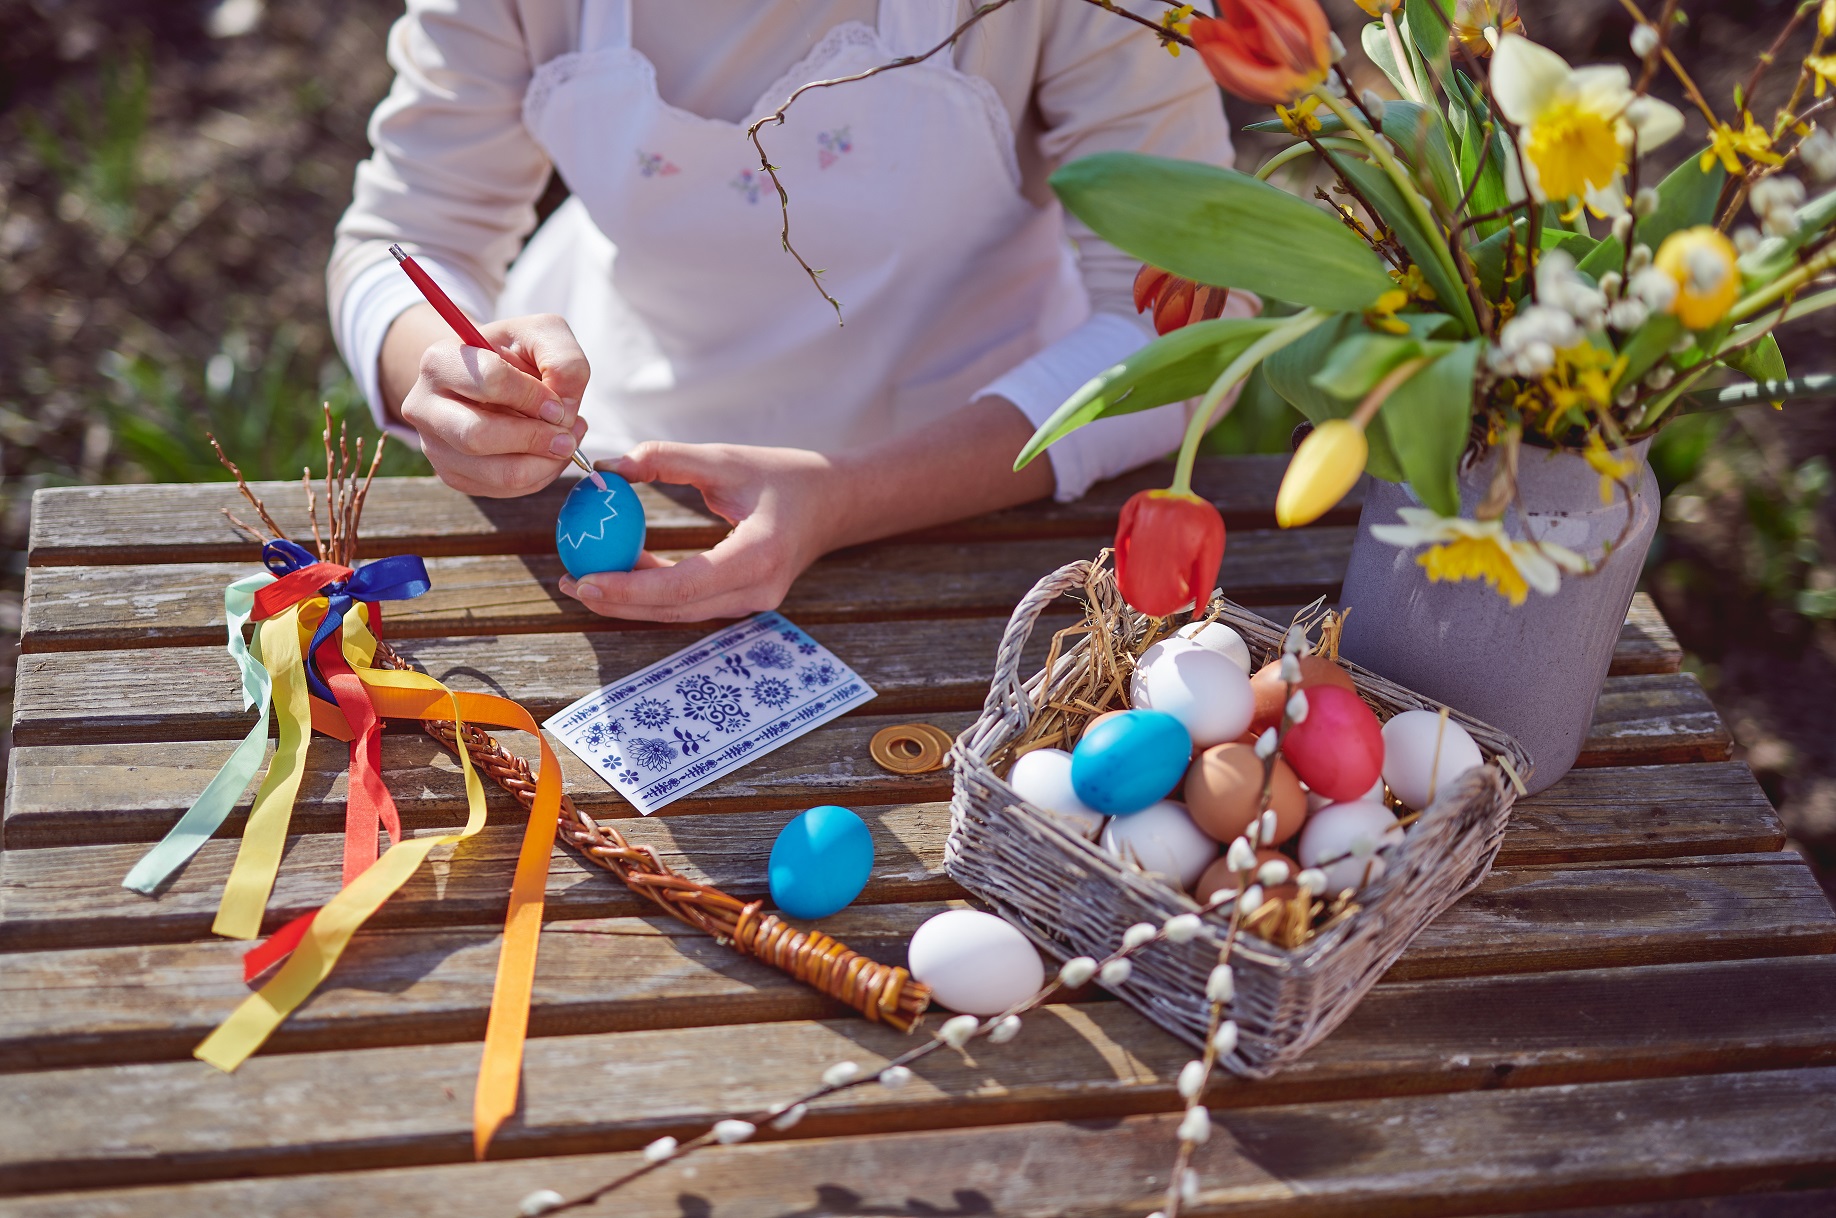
x: 1220, y: 878
x: 1272, y: 692
x: 1224, y: 793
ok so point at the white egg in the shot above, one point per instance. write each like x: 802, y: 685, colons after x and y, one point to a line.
x: 1162, y: 840
x: 1409, y: 765
x: 1201, y: 688
x: 1316, y: 801
x: 975, y: 962
x: 1216, y: 636
x: 1043, y: 778
x: 1352, y: 833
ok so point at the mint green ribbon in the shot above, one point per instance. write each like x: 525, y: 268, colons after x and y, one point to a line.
x: 203, y: 818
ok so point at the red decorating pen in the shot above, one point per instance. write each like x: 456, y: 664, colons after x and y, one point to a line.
x: 469, y: 335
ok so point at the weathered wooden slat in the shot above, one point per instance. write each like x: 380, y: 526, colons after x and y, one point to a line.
x: 85, y: 608
x: 1479, y: 1152
x: 191, y: 693
x: 92, y: 793
x: 918, y: 667
x: 70, y: 896
x: 101, y: 525
x: 100, y: 1126
x: 1646, y: 643
x: 60, y: 795
x: 1653, y: 719
x: 149, y: 1002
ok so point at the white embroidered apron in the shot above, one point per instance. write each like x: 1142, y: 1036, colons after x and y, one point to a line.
x: 904, y: 190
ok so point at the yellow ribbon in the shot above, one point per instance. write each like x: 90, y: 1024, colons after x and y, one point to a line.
x: 412, y: 695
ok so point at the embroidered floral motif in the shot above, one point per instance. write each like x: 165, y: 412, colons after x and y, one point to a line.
x: 831, y: 146
x: 655, y: 165
x: 750, y: 184
x: 708, y: 701
x: 773, y: 692
x: 651, y: 753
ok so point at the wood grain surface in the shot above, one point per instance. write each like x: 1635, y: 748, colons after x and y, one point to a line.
x: 109, y: 525
x: 1634, y: 1011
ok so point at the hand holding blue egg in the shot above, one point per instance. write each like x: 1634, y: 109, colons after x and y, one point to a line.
x: 600, y: 529
x: 820, y: 862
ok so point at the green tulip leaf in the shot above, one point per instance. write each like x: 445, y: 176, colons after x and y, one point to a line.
x: 1172, y: 368
x: 1644, y: 349
x: 1426, y: 421
x: 1290, y: 373
x: 1761, y: 360
x: 1424, y: 248
x: 1358, y: 363
x: 1221, y: 227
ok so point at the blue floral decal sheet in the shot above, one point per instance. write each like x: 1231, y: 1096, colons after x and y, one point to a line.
x: 709, y: 709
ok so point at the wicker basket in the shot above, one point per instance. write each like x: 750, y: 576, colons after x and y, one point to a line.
x: 1075, y: 899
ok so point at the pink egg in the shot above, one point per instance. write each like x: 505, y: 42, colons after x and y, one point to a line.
x: 1338, y: 749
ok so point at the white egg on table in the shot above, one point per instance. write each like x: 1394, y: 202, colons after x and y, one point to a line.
x: 1410, y: 764
x: 1202, y: 688
x: 1350, y: 833
x: 1216, y: 636
x: 1043, y: 778
x: 1316, y: 801
x: 1163, y: 841
x: 974, y: 962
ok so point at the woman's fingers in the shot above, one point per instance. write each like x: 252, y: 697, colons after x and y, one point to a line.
x: 739, y: 576
x: 473, y: 431
x: 546, y: 343
x: 452, y: 369
x: 495, y: 475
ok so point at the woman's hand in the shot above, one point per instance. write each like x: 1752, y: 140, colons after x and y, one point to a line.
x: 489, y: 427
x: 784, y: 505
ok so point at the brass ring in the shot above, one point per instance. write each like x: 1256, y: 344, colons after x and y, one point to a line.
x: 908, y: 748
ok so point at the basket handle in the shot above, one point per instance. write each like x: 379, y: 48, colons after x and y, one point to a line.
x: 1007, y: 701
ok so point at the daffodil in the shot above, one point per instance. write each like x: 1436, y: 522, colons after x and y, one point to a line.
x: 1477, y: 24
x: 1702, y: 262
x: 1576, y: 126
x: 1324, y: 468
x: 1611, y: 468
x: 1728, y: 145
x: 1462, y: 549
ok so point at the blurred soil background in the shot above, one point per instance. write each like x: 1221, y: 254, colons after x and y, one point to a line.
x: 170, y: 174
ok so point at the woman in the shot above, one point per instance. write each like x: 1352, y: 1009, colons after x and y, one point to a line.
x: 973, y: 307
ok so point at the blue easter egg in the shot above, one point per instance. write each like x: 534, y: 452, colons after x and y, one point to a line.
x: 1130, y: 761
x: 600, y: 530
x: 820, y: 862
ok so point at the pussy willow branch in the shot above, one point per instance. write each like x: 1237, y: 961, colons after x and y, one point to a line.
x: 776, y: 117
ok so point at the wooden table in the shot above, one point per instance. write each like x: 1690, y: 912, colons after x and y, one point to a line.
x: 1638, y: 1004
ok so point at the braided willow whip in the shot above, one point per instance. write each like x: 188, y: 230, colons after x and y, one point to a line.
x: 882, y: 993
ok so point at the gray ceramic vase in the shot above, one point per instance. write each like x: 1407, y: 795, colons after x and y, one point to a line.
x: 1534, y: 671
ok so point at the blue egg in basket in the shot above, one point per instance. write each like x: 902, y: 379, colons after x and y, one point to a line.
x: 820, y: 862
x: 600, y: 530
x: 1130, y: 760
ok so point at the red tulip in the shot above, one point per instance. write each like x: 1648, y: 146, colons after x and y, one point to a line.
x: 1176, y: 302
x: 1168, y: 548
x: 1265, y: 51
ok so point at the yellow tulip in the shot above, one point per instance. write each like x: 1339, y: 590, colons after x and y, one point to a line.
x: 1702, y: 261
x: 1324, y: 468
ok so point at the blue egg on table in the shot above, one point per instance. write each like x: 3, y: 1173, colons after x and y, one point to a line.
x: 600, y: 530
x: 820, y: 862
x: 1130, y: 761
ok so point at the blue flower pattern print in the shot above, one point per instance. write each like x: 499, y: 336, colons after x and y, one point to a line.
x: 651, y: 753
x: 668, y: 729
x: 770, y: 655
x: 708, y: 701
x: 652, y: 714
x: 773, y: 692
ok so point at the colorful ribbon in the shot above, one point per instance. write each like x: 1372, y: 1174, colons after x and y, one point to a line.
x: 307, y: 647
x: 208, y: 812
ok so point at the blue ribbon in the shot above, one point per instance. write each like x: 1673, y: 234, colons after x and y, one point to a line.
x: 400, y: 578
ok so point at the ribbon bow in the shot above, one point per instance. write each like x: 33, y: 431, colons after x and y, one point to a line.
x: 299, y: 576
